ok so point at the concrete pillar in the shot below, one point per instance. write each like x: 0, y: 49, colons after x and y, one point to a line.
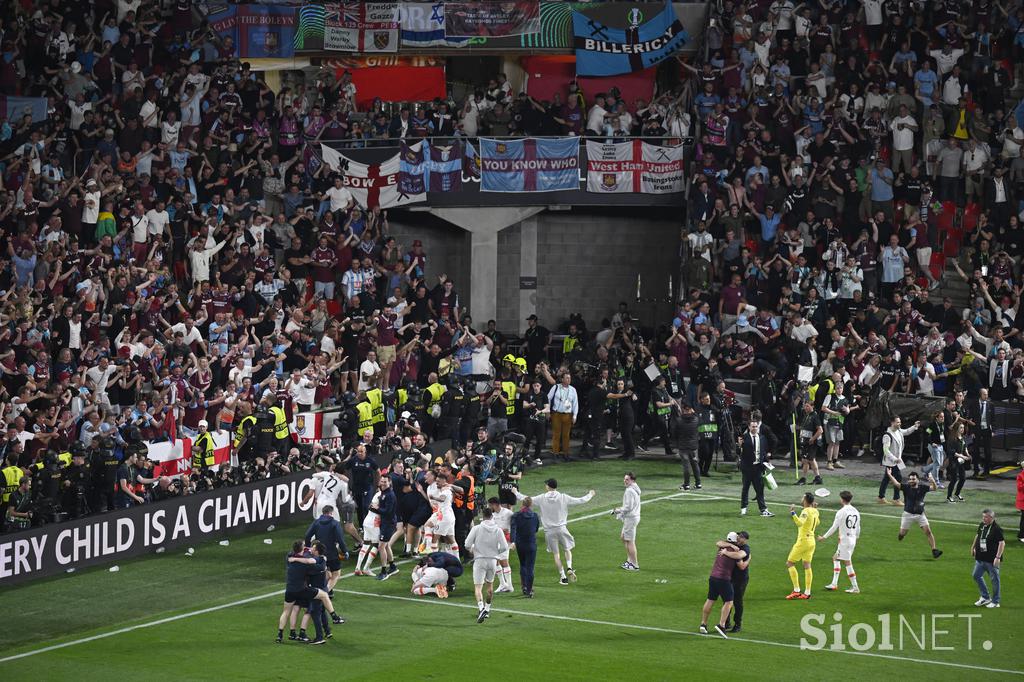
x: 483, y: 276
x: 527, y: 270
x: 484, y: 225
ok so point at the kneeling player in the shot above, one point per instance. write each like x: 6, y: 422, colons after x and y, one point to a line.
x: 429, y: 580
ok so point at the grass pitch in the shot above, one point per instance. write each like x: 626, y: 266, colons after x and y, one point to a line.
x: 214, y: 614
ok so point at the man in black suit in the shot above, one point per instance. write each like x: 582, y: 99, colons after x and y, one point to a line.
x: 756, y: 447
x: 982, y: 415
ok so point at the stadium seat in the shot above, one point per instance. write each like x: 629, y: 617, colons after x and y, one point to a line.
x: 970, y: 218
x: 937, y: 264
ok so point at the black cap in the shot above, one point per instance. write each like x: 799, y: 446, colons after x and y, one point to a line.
x: 531, y: 317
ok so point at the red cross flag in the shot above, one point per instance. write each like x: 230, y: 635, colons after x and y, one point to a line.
x: 374, y: 184
x: 635, y: 166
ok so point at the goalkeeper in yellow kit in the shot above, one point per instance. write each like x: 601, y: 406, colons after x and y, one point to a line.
x: 803, y: 549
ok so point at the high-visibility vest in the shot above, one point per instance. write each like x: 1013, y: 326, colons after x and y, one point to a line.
x: 435, y: 391
x: 376, y: 399
x: 12, y: 476
x: 402, y: 397
x: 202, y: 451
x: 469, y: 499
x: 240, y: 429
x: 569, y: 344
x: 280, y: 423
x: 365, y: 411
x: 509, y: 389
x: 64, y: 458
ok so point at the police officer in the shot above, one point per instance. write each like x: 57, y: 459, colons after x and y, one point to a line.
x: 104, y: 473
x: 432, y: 405
x: 524, y: 526
x: 281, y: 439
x: 244, y: 441
x: 77, y: 484
x: 10, y: 478
x: 660, y: 411
x: 684, y: 433
x: 47, y: 484
x: 453, y: 410
x: 707, y: 433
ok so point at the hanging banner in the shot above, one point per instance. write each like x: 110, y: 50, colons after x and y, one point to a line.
x: 174, y: 459
x: 354, y: 26
x: 435, y: 168
x: 374, y: 184
x: 491, y: 18
x: 605, y: 51
x: 422, y: 25
x: 529, y: 165
x: 258, y: 31
x: 634, y: 167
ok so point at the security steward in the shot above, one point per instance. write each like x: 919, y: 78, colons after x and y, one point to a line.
x: 203, y: 449
x: 511, y: 389
x: 432, y: 405
x: 375, y: 397
x: 660, y: 411
x: 281, y: 440
x: 464, y: 503
x: 364, y: 416
x: 707, y: 433
x: 11, y: 478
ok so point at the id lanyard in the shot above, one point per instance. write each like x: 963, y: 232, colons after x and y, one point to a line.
x: 983, y: 540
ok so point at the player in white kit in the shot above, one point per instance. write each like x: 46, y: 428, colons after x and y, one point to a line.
x: 429, y: 580
x: 439, y: 531
x: 330, y: 488
x: 371, y: 538
x: 553, y: 509
x: 487, y: 542
x: 847, y: 524
x: 503, y: 519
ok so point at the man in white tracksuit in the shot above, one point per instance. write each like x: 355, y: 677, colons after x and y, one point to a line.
x: 553, y: 509
x: 629, y: 514
x: 892, y: 456
x: 486, y: 542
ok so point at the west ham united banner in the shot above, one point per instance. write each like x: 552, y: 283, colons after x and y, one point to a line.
x: 258, y: 31
x: 636, y: 167
x: 646, y: 41
x: 491, y: 18
x: 529, y: 165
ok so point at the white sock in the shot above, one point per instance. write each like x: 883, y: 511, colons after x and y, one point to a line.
x: 487, y: 607
x: 836, y: 568
x: 852, y: 575
x: 506, y: 574
x: 408, y: 548
x: 480, y: 605
x: 426, y: 590
x: 362, y: 557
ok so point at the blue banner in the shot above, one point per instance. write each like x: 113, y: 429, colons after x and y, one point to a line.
x: 605, y: 51
x: 529, y: 165
x: 258, y: 31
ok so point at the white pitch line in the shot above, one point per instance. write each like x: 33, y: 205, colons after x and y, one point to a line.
x: 862, y: 513
x: 672, y: 631
x: 240, y: 602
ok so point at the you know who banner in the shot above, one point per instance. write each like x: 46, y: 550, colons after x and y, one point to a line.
x: 529, y: 165
x: 605, y: 51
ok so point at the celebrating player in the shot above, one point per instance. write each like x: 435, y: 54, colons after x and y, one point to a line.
x: 429, y: 580
x: 803, y: 549
x: 503, y: 519
x: 486, y: 542
x: 629, y: 514
x: 847, y: 523
x: 553, y: 508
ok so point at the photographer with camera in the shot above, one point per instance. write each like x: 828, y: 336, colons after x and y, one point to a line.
x: 509, y: 468
x: 535, y: 411
x: 125, y: 497
x: 19, y: 507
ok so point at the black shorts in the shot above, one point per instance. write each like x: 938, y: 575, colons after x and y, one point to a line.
x: 334, y: 564
x: 419, y: 517
x: 386, y: 532
x: 719, y: 587
x: 300, y: 597
x: 351, y: 363
x: 506, y: 496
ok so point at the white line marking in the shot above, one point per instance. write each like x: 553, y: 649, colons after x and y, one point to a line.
x: 653, y: 628
x: 240, y: 602
x: 863, y: 513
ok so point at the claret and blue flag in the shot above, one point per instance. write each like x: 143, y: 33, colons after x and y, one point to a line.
x: 605, y: 51
x: 529, y: 165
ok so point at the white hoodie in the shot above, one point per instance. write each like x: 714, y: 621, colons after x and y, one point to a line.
x: 486, y: 541
x: 553, y: 507
x: 630, y: 503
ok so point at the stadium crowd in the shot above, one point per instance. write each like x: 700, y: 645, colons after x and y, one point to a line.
x: 174, y: 253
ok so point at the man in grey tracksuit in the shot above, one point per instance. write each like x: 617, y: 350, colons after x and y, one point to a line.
x: 486, y: 542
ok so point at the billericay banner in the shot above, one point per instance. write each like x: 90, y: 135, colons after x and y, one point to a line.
x: 50, y: 550
x: 605, y: 51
